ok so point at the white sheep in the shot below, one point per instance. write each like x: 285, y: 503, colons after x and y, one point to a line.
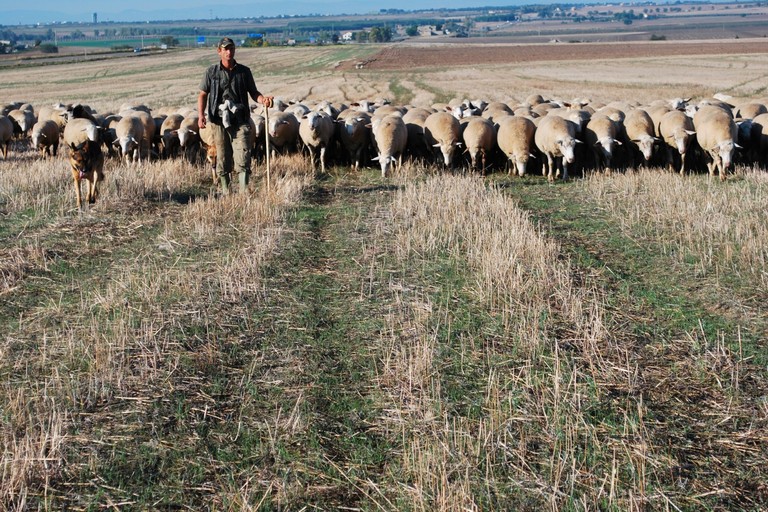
x: 515, y: 138
x: 601, y: 135
x: 716, y: 133
x: 390, y: 137
x: 443, y: 132
x: 129, y: 134
x: 750, y: 110
x: 148, y: 130
x: 169, y: 135
x: 78, y: 131
x: 316, y: 132
x: 283, y: 132
x: 676, y: 132
x: 555, y: 137
x: 414, y: 120
x: 23, y: 120
x: 354, y: 134
x: 639, y: 130
x: 479, y: 138
x: 45, y: 137
x: 189, y: 136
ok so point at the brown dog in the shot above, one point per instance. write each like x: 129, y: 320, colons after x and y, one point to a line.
x: 87, y: 163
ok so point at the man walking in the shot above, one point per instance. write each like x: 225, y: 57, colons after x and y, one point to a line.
x: 223, y: 106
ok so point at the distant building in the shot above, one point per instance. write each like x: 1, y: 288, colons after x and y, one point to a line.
x: 347, y: 36
x: 95, y: 18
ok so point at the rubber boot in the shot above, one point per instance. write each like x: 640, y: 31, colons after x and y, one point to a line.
x: 224, y: 180
x: 244, y: 178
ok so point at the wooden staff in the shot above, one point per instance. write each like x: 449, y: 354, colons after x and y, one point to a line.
x: 266, y: 139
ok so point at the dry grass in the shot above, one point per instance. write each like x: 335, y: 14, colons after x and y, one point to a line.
x: 573, y: 414
x: 722, y: 228
x: 109, y: 338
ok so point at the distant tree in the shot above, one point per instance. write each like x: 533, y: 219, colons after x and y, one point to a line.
x: 169, y: 41
x: 49, y: 48
x: 77, y: 34
x: 412, y: 31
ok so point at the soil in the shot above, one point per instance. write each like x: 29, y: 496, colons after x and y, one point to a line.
x: 416, y: 56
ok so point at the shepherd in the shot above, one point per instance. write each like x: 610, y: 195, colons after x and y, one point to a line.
x: 223, y: 102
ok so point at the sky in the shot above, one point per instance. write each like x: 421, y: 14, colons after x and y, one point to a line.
x: 49, y: 11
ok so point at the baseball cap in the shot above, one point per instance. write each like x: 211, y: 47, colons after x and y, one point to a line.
x: 226, y: 41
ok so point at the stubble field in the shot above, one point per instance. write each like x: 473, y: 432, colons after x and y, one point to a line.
x: 431, y: 341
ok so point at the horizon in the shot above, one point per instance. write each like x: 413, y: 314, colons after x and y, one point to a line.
x: 50, y: 12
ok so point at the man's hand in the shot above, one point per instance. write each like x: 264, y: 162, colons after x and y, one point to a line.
x: 201, y: 122
x: 268, y: 101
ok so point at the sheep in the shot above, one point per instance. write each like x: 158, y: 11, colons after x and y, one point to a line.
x: 386, y: 110
x: 283, y: 132
x: 676, y: 132
x: 479, y: 137
x: 23, y: 120
x: 258, y: 124
x: 514, y: 136
x: 169, y: 135
x: 129, y: 134
x: 759, y: 137
x: 442, y: 131
x: 640, y: 133
x: 496, y: 109
x: 601, y: 135
x: 148, y: 130
x: 750, y: 110
x: 6, y: 134
x: 108, y: 133
x: 45, y: 137
x: 78, y: 131
x: 580, y: 117
x: 716, y: 133
x: 189, y: 136
x: 57, y: 112
x: 390, y: 136
x: 657, y: 112
x: 5, y: 108
x: 354, y: 134
x: 555, y: 137
x: 316, y: 131
x: 414, y: 120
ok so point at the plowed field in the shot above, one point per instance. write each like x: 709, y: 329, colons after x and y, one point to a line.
x: 448, y: 55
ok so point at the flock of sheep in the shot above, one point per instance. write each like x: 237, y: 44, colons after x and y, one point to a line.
x: 553, y: 137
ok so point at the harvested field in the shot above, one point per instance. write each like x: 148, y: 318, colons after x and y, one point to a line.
x: 433, y: 340
x: 400, y: 57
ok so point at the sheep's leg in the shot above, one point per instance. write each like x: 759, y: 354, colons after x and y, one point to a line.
x: 550, y: 168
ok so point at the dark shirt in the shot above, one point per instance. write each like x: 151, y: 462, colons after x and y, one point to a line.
x: 235, y: 85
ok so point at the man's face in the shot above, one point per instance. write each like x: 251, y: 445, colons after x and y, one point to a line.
x: 227, y: 53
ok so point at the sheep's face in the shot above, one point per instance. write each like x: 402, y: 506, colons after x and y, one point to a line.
x: 567, y: 147
x: 725, y: 151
